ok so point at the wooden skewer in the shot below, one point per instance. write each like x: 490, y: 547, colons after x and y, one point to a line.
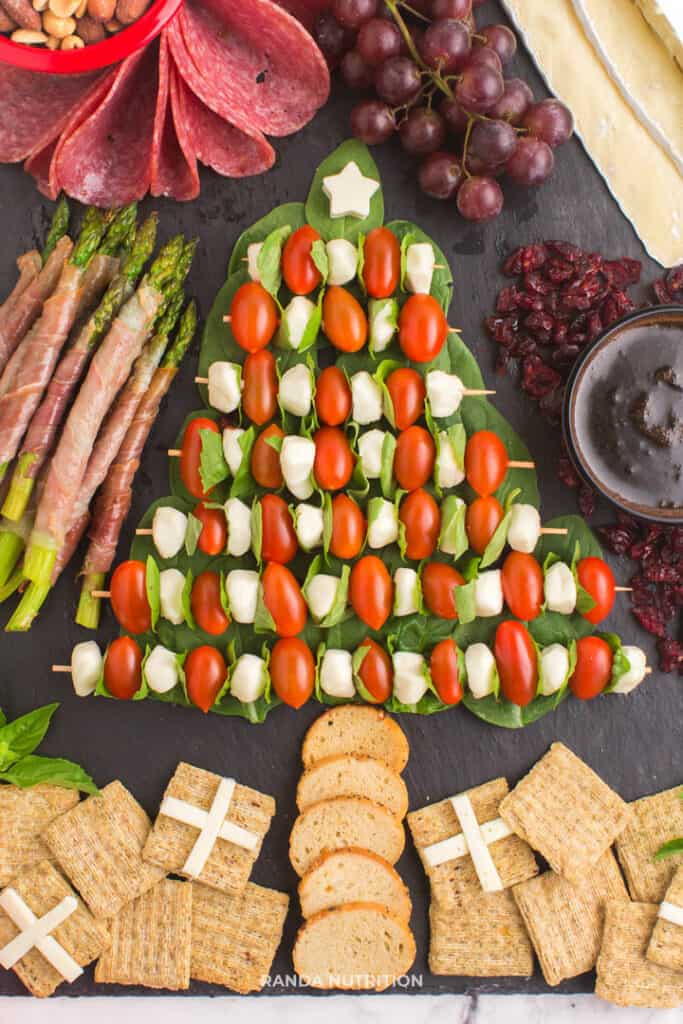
x: 144, y: 532
x: 472, y: 392
x: 106, y: 594
x: 555, y: 531
x: 62, y: 668
x: 521, y: 465
x: 174, y: 453
x: 201, y: 380
x: 648, y: 671
x: 227, y: 319
x: 623, y: 590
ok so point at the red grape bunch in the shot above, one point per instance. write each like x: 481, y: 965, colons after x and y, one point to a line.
x: 438, y: 82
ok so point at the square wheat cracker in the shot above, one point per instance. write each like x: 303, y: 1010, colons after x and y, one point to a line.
x: 666, y: 944
x: 625, y: 976
x: 42, y: 888
x: 229, y: 866
x: 99, y: 845
x: 566, y: 812
x: 151, y: 940
x: 655, y: 820
x: 24, y: 814
x: 482, y: 937
x: 235, y: 938
x: 565, y: 921
x: 456, y: 879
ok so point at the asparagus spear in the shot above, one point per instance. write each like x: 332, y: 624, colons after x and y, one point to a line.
x: 58, y: 228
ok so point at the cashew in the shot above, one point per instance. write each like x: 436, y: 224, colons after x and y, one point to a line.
x: 72, y: 43
x: 58, y: 27
x: 63, y: 8
x: 29, y: 37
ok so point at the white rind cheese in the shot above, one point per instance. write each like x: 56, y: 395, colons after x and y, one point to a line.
x: 666, y: 18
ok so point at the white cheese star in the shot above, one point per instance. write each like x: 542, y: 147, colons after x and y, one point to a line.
x: 349, y: 192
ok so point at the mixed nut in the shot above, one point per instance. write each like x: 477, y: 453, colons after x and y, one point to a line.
x: 67, y: 24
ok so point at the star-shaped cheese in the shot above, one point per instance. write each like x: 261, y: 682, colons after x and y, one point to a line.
x: 349, y: 192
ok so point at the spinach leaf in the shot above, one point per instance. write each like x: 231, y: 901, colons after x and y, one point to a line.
x: 153, y: 589
x: 213, y: 469
x: 269, y: 259
x: 318, y: 204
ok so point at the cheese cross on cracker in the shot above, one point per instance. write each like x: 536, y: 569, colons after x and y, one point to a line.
x: 211, y: 824
x: 671, y: 913
x: 35, y: 933
x: 474, y: 840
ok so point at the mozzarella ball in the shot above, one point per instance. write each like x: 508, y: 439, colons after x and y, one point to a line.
x: 297, y: 456
x: 169, y: 526
x: 410, y: 684
x: 366, y: 396
x: 638, y: 661
x: 336, y: 674
x: 86, y: 668
x: 406, y: 591
x: 342, y: 258
x: 370, y: 447
x: 238, y: 518
x: 161, y: 670
x: 444, y: 393
x: 297, y: 316
x: 480, y: 666
x: 321, y: 591
x: 488, y: 594
x: 253, y: 251
x: 447, y: 472
x: 524, y: 529
x: 309, y: 526
x: 231, y: 448
x: 382, y: 324
x: 225, y: 386
x: 419, y: 268
x: 560, y: 589
x: 241, y: 586
x: 382, y: 523
x: 248, y: 679
x: 296, y: 390
x: 171, y: 586
x: 553, y: 668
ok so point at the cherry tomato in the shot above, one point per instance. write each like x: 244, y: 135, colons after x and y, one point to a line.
x: 190, y: 455
x: 593, y: 667
x: 214, y: 535
x: 414, y: 458
x: 298, y: 269
x: 486, y: 462
x: 292, y: 671
x: 265, y: 460
x: 259, y: 391
x: 344, y: 320
x: 333, y: 464
x: 407, y: 390
x: 444, y: 669
x: 515, y: 656
x: 348, y: 528
x: 481, y: 519
x: 422, y: 328
x: 205, y: 603
x: 123, y: 668
x: 253, y: 316
x: 371, y: 591
x: 332, y: 397
x: 381, y: 263
x: 438, y: 589
x: 421, y: 517
x: 522, y: 580
x: 597, y: 578
x: 129, y: 602
x: 278, y: 543
x: 283, y: 598
x: 205, y: 674
x: 376, y: 671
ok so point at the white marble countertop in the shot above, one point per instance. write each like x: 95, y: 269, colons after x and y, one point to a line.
x: 400, y: 1009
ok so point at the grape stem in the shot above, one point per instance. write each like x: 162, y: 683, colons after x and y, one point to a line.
x: 414, y: 52
x: 468, y: 132
x: 411, y: 10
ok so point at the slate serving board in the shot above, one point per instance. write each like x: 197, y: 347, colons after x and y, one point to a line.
x: 634, y: 742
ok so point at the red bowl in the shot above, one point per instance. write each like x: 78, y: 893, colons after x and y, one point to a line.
x: 97, y: 55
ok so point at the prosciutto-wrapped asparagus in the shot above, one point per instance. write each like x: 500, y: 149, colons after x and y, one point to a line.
x: 41, y: 435
x: 108, y: 372
x: 29, y: 265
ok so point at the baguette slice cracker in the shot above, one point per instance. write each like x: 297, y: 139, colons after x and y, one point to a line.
x: 353, y: 876
x: 356, y: 729
x: 666, y: 944
x: 655, y: 820
x: 24, y: 814
x: 625, y: 976
x: 482, y: 937
x: 358, y: 947
x: 340, y: 823
x: 353, y: 775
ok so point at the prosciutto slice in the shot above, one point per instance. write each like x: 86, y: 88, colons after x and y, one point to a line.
x: 29, y: 266
x: 174, y: 166
x: 262, y: 65
x: 107, y: 160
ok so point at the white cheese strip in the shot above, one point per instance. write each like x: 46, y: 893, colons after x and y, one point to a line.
x: 188, y: 814
x: 671, y: 913
x: 35, y: 933
x: 665, y: 18
x: 456, y: 846
x: 487, y: 872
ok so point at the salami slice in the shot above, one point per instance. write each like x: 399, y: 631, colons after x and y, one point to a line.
x: 34, y: 109
x: 174, y: 168
x: 262, y: 65
x: 107, y: 160
x: 216, y: 142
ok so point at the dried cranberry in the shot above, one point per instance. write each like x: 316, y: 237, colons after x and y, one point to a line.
x: 567, y: 473
x: 670, y: 655
x: 507, y: 299
x: 528, y: 257
x: 662, y: 293
x: 532, y: 303
x: 533, y: 282
x: 586, y: 501
x: 550, y: 405
x: 616, y: 539
x: 558, y: 271
x: 538, y: 378
x: 566, y: 250
x: 502, y: 329
x: 594, y: 326
x: 540, y: 325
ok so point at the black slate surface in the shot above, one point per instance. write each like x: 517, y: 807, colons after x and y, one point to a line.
x: 633, y: 742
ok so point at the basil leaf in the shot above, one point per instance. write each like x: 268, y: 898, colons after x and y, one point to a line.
x: 453, y: 539
x: 669, y: 849
x: 408, y: 239
x: 584, y: 601
x: 55, y: 771
x: 465, y: 603
x: 153, y: 589
x: 318, y: 203
x: 269, y: 259
x: 382, y: 317
x: 192, y: 534
x: 386, y: 478
x: 380, y: 375
x: 317, y: 689
x: 338, y: 611
x: 275, y: 441
x: 213, y: 468
x: 264, y: 621
x: 243, y: 483
x: 24, y: 734
x: 283, y: 338
x: 187, y: 608
x: 455, y: 438
x: 257, y: 530
x: 495, y: 546
x: 360, y: 266
x: 620, y: 663
x: 319, y: 257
